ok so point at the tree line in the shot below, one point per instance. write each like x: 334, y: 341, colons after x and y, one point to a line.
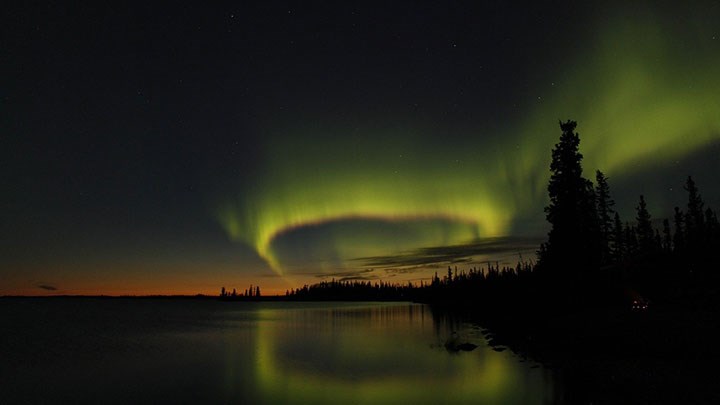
x: 591, y: 256
x: 251, y: 293
x: 587, y: 234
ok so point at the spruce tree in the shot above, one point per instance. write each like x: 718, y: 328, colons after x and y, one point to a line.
x: 679, y: 236
x: 645, y: 232
x: 667, y: 238
x: 711, y: 224
x: 618, y: 239
x: 631, y: 240
x: 604, y: 206
x: 573, y: 239
x: 694, y: 218
x: 696, y: 236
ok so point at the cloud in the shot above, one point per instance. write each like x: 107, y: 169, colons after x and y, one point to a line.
x: 359, y: 278
x: 403, y: 270
x: 365, y: 274
x: 46, y: 286
x: 422, y: 258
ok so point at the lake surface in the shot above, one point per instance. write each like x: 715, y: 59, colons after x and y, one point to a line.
x: 146, y: 350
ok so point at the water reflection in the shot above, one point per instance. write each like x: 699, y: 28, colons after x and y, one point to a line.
x: 383, y: 353
x: 128, y: 351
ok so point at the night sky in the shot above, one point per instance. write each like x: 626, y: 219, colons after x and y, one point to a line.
x: 167, y: 149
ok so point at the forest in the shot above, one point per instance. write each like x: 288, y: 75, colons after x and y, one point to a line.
x: 592, y: 258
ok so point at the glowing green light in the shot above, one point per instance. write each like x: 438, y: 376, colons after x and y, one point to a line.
x: 640, y: 97
x: 471, y: 379
x: 291, y: 197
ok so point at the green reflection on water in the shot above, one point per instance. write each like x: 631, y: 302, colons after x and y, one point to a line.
x: 380, y: 353
x: 187, y: 351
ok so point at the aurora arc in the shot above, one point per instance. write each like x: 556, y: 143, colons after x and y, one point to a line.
x: 638, y: 102
x: 411, y: 189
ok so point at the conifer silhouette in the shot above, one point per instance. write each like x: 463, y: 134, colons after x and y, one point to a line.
x: 574, y: 238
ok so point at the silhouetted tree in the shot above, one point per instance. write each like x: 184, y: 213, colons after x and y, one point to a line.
x: 679, y: 236
x: 667, y: 238
x: 631, y: 240
x: 223, y: 293
x: 257, y: 291
x: 645, y: 232
x: 604, y: 215
x: 694, y: 218
x: 573, y: 239
x: 618, y: 239
x: 711, y: 224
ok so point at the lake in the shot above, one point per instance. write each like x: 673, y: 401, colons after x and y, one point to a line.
x: 165, y: 350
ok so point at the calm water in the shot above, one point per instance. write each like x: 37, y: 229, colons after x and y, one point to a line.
x: 125, y: 350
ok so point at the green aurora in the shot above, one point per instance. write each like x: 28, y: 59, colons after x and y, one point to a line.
x: 643, y: 90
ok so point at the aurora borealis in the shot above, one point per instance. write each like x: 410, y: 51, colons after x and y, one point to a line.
x: 174, y: 150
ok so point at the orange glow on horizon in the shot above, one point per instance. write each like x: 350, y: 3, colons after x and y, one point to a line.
x: 139, y: 279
